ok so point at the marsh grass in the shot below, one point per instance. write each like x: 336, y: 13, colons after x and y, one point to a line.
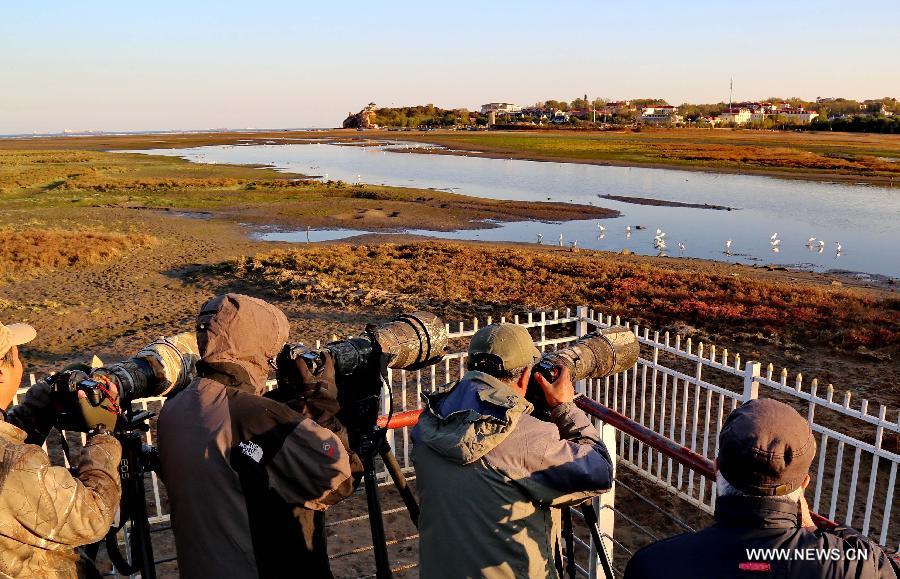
x: 725, y: 149
x: 468, y: 279
x: 30, y: 251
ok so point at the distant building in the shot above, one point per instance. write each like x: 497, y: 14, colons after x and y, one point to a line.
x: 736, y: 116
x: 660, y: 115
x: 500, y: 108
x: 559, y: 117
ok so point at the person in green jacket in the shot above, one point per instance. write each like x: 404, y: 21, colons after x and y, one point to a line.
x: 490, y: 476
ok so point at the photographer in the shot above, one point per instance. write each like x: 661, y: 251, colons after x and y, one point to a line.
x: 763, y: 527
x: 45, y: 512
x: 488, y: 473
x: 248, y: 477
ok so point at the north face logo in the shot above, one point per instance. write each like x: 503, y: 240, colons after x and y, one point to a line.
x: 252, y: 450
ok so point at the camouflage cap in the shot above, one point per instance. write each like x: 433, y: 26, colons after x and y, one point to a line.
x: 15, y: 335
x: 510, y: 343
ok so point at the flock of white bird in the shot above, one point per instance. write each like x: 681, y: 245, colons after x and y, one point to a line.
x: 660, y: 242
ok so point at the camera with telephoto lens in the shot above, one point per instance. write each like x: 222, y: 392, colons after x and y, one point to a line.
x: 162, y: 368
x: 409, y: 342
x: 596, y: 355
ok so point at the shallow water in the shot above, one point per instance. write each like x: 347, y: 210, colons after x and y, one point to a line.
x: 864, y: 219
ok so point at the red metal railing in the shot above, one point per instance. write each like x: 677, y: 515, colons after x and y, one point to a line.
x: 680, y: 454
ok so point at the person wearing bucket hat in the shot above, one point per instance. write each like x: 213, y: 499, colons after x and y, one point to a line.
x: 762, y: 523
x: 488, y: 473
x: 46, y: 512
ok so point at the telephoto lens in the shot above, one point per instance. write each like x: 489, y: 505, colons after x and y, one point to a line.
x: 161, y: 368
x: 595, y: 355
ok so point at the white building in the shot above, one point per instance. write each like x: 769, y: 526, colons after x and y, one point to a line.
x: 659, y: 115
x: 736, y: 116
x: 500, y: 108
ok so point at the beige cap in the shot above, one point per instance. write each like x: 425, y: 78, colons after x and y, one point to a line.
x: 511, y: 343
x: 15, y: 335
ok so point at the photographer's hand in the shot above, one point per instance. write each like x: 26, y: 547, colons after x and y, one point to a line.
x: 561, y: 391
x: 319, y: 392
x: 105, y: 415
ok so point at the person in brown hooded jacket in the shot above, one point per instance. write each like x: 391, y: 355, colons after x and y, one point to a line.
x: 248, y: 477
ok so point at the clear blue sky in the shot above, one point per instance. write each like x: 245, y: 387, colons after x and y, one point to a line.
x: 199, y: 64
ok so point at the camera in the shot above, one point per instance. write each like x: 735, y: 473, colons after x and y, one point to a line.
x: 595, y: 355
x: 162, y: 368
x: 409, y: 342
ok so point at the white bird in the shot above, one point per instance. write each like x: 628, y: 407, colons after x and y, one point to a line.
x: 681, y: 246
x: 776, y: 249
x: 600, y: 228
x: 540, y: 237
x: 628, y: 229
x: 775, y: 243
x: 810, y: 241
x: 821, y: 243
x: 574, y: 244
x: 774, y: 236
x: 659, y: 231
x: 560, y: 239
x: 838, y: 247
x: 728, y: 246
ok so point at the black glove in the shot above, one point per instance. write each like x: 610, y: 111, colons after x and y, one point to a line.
x: 34, y: 413
x: 319, y: 392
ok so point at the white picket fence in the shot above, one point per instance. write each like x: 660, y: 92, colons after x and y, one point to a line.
x: 683, y: 391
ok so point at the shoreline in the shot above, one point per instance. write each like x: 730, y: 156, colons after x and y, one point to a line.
x: 458, y: 147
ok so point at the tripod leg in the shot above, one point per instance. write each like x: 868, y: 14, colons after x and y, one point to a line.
x: 382, y: 564
x: 393, y: 467
x: 569, y: 538
x: 593, y: 523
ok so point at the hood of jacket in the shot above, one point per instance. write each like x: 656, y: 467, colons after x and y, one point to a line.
x: 237, y: 336
x: 470, y: 418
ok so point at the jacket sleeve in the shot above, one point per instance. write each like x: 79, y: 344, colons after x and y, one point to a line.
x: 883, y: 565
x: 313, y: 467
x: 556, y: 464
x: 63, y: 509
x: 32, y: 414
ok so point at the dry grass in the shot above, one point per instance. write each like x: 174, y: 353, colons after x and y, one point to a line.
x: 469, y: 279
x: 24, y: 253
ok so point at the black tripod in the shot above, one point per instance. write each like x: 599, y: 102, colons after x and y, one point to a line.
x: 593, y: 525
x: 372, y: 442
x: 137, y: 460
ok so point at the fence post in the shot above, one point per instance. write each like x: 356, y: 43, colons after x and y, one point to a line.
x: 751, y: 385
x: 581, y: 328
x: 604, y: 505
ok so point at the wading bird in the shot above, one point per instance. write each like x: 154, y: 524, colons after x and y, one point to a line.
x: 810, y: 241
x: 838, y: 248
x: 728, y: 246
x: 775, y: 243
x: 600, y: 228
x: 540, y: 237
x: 774, y: 236
x: 681, y: 246
x: 560, y: 239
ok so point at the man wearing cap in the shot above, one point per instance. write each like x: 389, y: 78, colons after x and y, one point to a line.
x: 488, y: 473
x: 45, y: 512
x: 762, y: 523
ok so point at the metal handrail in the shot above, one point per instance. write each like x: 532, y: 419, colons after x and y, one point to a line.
x: 671, y: 449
